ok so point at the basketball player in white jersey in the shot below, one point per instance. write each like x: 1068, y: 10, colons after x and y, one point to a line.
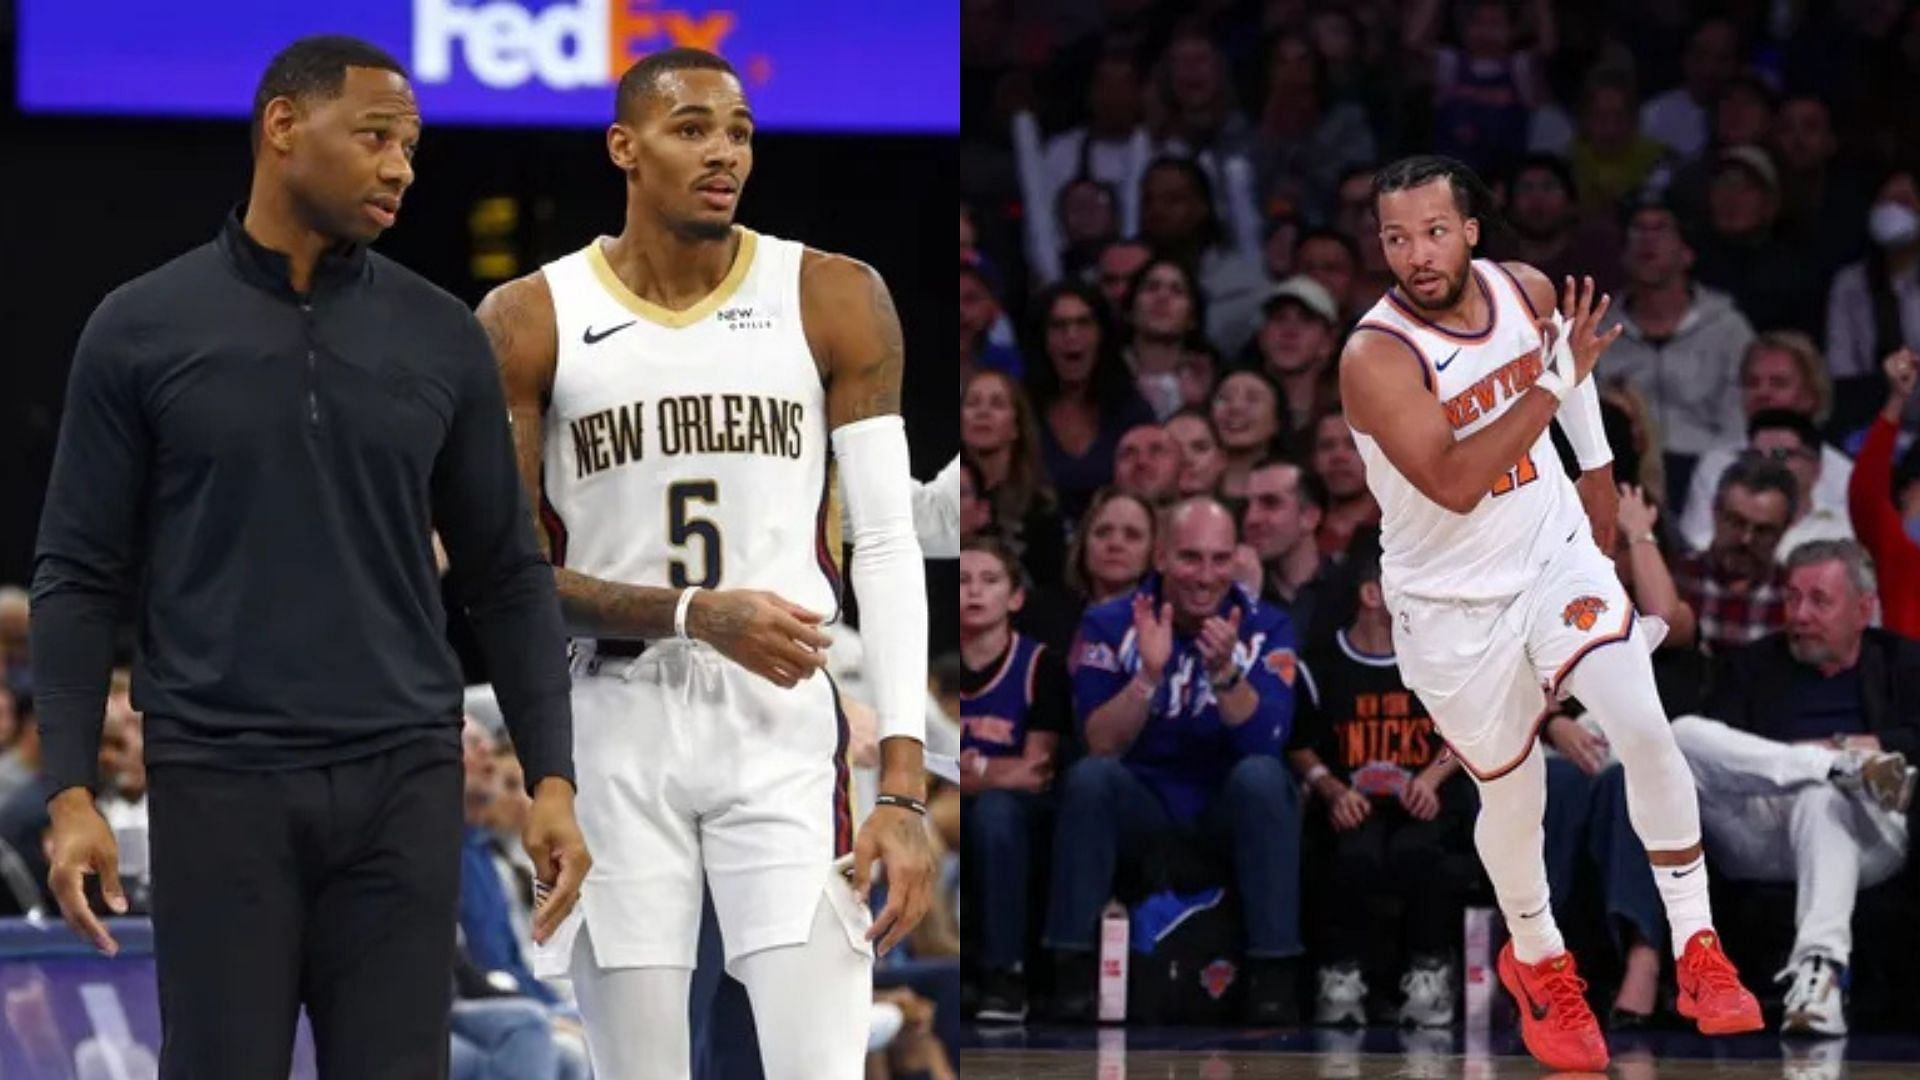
x: 676, y: 393
x: 1501, y: 600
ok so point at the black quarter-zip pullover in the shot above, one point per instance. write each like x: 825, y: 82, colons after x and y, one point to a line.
x: 257, y: 472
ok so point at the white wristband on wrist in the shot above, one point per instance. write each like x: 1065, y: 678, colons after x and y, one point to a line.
x: 680, y: 612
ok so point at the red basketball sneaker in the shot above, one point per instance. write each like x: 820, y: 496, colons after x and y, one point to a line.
x: 1710, y: 991
x: 1555, y: 1022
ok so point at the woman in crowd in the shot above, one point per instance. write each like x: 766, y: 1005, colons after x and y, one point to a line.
x: 1246, y: 413
x: 1080, y: 390
x: 999, y: 435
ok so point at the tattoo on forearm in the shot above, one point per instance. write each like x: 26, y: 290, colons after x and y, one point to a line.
x: 611, y: 609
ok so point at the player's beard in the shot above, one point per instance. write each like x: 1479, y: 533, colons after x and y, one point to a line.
x: 1456, y: 287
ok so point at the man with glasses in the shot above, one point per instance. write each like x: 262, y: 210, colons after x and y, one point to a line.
x: 1790, y: 439
x: 1734, y: 585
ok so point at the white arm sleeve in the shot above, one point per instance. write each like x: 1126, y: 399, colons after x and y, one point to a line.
x: 1579, y: 412
x: 889, y: 577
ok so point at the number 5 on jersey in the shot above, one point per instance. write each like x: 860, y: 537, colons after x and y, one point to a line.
x: 681, y: 527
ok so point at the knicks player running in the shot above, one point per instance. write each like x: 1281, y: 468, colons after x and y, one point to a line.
x: 1501, y: 600
x: 676, y: 392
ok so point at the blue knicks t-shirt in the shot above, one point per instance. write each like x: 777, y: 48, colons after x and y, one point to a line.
x: 1184, y: 750
x: 1023, y: 690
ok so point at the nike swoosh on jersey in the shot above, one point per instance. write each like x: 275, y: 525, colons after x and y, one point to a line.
x: 592, y: 338
x: 1442, y: 365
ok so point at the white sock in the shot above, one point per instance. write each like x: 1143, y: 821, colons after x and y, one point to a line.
x: 1684, y: 891
x: 1511, y: 839
x: 1535, y: 937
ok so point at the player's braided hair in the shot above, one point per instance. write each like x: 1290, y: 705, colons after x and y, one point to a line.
x: 1470, y: 193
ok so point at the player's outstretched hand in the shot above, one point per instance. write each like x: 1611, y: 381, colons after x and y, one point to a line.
x: 559, y: 854
x: 774, y: 638
x: 1584, y: 318
x: 897, y: 838
x: 82, y: 845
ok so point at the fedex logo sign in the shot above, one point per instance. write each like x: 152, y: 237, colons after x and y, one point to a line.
x: 567, y: 45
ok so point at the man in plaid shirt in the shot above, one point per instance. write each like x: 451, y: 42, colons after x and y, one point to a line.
x: 1734, y: 586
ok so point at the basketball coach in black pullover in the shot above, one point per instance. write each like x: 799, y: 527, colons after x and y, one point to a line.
x: 259, y: 437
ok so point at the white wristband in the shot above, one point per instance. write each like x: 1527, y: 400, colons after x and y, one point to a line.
x: 680, y: 612
x: 1314, y: 774
x: 1554, y: 383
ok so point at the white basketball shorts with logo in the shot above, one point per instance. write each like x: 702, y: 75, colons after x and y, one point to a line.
x: 688, y: 764
x: 1487, y: 670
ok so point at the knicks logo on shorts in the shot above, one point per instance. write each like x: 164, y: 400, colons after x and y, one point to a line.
x: 1583, y: 611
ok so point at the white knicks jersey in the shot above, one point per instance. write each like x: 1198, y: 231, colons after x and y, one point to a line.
x: 690, y: 447
x: 1497, y: 549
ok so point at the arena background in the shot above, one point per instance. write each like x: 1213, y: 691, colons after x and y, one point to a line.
x: 1577, y: 114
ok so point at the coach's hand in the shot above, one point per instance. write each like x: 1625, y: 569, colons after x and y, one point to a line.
x: 776, y: 639
x: 897, y: 837
x: 559, y: 853
x: 83, y: 845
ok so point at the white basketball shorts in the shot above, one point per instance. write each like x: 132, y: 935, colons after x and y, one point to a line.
x: 689, y: 764
x: 1488, y: 670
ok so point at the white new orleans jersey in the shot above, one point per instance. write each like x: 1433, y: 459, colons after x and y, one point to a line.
x: 690, y: 447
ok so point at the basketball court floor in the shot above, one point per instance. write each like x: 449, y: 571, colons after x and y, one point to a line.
x: 1045, y: 1053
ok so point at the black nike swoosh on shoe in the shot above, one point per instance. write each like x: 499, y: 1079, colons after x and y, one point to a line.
x: 1537, y: 1008
x: 591, y: 338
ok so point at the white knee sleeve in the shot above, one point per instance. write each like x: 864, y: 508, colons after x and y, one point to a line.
x: 1616, y: 684
x: 636, y: 1018
x: 812, y: 1003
